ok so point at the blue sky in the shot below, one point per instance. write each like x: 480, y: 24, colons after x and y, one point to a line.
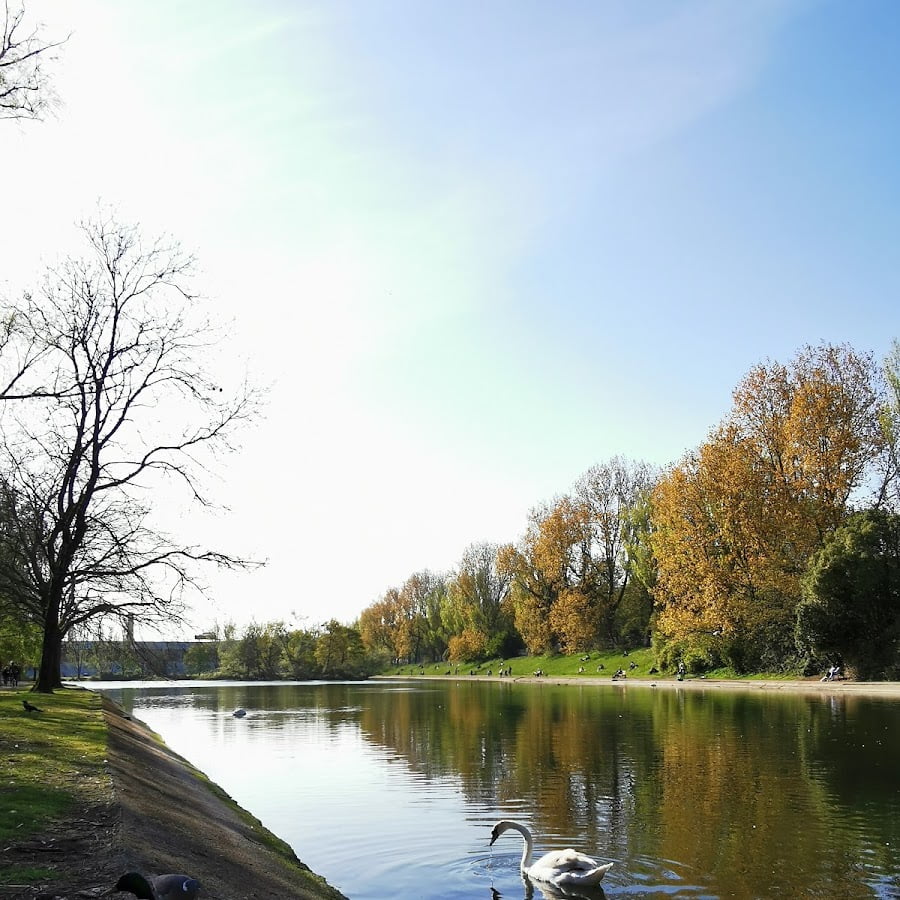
x: 474, y: 248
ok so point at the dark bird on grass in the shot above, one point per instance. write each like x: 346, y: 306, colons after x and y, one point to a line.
x: 30, y: 707
x: 159, y: 887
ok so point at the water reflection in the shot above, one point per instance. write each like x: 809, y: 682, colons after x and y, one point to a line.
x: 390, y: 789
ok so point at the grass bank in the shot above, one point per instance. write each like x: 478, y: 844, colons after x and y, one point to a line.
x: 52, y: 762
x: 87, y: 792
x: 596, y: 664
x: 638, y: 663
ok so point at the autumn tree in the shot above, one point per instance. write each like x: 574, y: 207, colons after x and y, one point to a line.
x: 564, y: 552
x: 383, y: 627
x: 477, y: 600
x: 107, y: 402
x: 572, y: 570
x: 421, y: 597
x: 736, y: 522
x: 532, y: 590
x: 26, y: 91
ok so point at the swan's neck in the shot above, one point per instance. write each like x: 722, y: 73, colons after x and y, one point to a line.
x: 529, y: 843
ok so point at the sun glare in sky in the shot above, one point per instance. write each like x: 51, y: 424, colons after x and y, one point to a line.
x: 471, y: 248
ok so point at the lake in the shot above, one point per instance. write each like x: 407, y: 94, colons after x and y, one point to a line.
x: 389, y: 789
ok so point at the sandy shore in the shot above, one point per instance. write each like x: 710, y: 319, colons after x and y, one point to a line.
x: 799, y: 685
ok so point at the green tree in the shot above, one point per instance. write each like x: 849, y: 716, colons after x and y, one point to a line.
x: 888, y: 495
x: 851, y: 604
x: 20, y: 642
x: 421, y: 597
x: 476, y: 603
x: 201, y: 658
x: 609, y: 493
x: 300, y: 654
x: 339, y: 651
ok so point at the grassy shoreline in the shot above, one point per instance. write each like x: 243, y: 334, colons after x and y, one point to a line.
x: 84, y: 780
x: 598, y: 668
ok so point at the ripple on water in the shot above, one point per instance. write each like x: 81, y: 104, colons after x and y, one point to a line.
x: 641, y: 877
x: 646, y: 876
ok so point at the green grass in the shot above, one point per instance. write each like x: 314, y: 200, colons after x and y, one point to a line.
x: 552, y: 666
x: 24, y: 874
x: 50, y: 761
x: 567, y: 666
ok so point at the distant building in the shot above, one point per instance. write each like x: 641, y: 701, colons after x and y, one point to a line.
x: 87, y: 659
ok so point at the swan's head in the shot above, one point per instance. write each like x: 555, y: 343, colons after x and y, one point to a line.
x: 498, y: 829
x: 505, y: 825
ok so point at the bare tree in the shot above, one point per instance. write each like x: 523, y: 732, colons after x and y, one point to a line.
x: 25, y: 88
x: 113, y: 403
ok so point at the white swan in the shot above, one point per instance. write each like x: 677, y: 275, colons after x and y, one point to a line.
x: 563, y: 868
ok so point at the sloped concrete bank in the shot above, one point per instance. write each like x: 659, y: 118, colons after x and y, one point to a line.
x: 173, y: 819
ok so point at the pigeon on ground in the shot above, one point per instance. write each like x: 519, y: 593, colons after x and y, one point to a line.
x: 30, y: 707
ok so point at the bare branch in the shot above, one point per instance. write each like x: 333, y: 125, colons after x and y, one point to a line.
x: 25, y: 88
x: 116, y: 403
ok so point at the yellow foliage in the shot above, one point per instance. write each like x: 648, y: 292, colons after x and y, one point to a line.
x: 735, y: 523
x: 574, y: 620
x: 469, y: 644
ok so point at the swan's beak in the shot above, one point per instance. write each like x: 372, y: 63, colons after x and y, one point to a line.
x: 494, y: 835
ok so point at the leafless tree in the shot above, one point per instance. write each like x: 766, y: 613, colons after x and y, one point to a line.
x: 25, y: 88
x: 108, y: 400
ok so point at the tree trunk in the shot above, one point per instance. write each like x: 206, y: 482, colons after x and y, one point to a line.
x: 51, y: 653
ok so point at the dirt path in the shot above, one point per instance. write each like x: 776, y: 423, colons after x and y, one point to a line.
x: 798, y: 685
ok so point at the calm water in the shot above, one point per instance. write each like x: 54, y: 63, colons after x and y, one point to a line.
x: 389, y: 789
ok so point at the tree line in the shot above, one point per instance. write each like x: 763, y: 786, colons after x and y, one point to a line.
x: 273, y: 651
x: 774, y: 545
x: 267, y: 651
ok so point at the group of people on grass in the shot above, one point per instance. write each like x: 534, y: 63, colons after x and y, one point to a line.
x: 11, y: 673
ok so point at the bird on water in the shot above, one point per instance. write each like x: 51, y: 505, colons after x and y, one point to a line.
x: 561, y: 868
x: 159, y: 887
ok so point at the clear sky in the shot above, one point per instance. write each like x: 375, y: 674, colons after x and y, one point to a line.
x: 474, y: 247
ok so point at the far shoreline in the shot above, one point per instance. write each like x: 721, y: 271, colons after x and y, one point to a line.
x: 890, y: 689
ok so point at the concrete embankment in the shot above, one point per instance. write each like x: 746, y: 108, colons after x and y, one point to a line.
x: 173, y: 819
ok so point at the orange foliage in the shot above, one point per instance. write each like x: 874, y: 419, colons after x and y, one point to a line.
x: 736, y: 522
